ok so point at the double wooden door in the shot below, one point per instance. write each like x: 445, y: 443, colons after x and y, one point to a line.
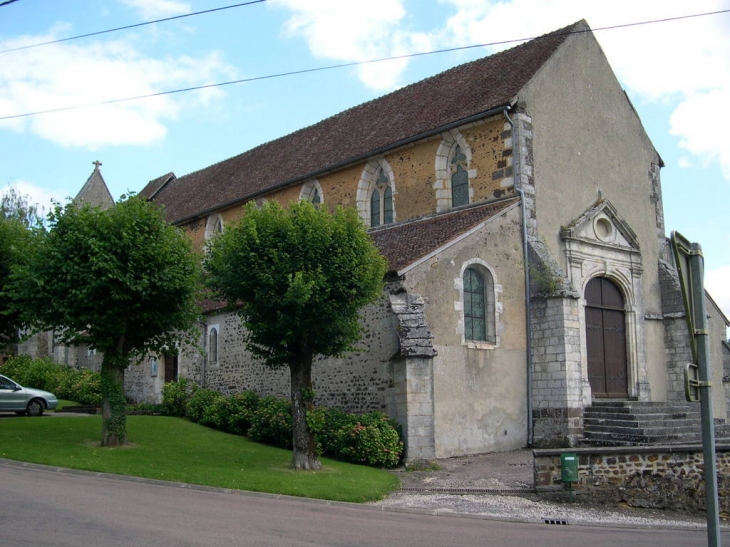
x: 606, y: 339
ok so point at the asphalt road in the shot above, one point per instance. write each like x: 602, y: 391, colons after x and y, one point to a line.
x: 60, y: 508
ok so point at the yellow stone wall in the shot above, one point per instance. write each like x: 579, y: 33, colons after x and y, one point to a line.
x: 414, y: 171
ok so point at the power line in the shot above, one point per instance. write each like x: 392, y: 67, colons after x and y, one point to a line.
x: 345, y: 65
x: 128, y: 26
x: 6, y: 2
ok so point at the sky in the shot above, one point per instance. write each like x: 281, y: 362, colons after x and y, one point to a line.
x: 675, y: 71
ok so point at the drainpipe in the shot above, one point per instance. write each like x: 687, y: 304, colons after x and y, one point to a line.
x: 528, y: 308
x: 204, y: 355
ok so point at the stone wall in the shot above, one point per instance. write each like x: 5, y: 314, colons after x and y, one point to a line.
x: 556, y: 379
x: 663, y: 477
x: 676, y: 339
x: 360, y: 381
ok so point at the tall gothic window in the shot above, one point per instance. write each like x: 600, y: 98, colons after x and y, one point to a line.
x: 213, y: 346
x: 459, y: 179
x: 479, y: 324
x: 381, y: 201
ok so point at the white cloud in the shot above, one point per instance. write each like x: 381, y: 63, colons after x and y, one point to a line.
x: 683, y: 63
x: 356, y: 31
x: 62, y: 75
x: 157, y: 9
x: 701, y: 122
x: 717, y: 283
x: 43, y: 198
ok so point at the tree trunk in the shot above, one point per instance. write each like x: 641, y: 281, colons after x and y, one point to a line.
x: 113, y: 405
x: 304, y: 445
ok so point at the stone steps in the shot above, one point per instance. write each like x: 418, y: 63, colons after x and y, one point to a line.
x: 634, y: 423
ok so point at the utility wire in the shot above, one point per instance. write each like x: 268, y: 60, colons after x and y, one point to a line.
x: 345, y: 65
x: 6, y: 2
x: 128, y: 26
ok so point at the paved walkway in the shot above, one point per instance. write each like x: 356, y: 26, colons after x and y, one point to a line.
x: 501, y: 486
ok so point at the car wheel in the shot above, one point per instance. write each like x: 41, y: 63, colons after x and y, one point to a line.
x: 35, y: 408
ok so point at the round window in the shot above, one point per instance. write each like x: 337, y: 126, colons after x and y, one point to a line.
x: 603, y: 229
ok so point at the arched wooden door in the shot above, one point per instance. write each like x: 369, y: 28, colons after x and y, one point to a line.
x: 606, y: 339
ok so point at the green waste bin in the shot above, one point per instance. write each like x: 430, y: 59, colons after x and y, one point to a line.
x: 569, y: 467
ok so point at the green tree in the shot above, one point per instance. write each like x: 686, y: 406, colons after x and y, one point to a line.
x: 297, y: 277
x: 15, y: 240
x: 122, y: 280
x: 16, y: 206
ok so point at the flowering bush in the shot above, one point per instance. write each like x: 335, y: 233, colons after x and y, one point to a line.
x: 175, y: 396
x: 80, y: 385
x: 271, y: 422
x: 200, y: 407
x: 369, y: 439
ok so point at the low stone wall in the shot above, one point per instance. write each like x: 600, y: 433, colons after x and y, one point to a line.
x: 663, y: 477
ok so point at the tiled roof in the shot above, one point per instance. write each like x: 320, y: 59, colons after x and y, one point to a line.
x: 404, y: 244
x: 155, y: 185
x: 95, y: 191
x: 453, y: 96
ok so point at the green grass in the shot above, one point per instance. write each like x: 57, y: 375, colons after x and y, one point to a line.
x: 174, y: 449
x: 63, y: 402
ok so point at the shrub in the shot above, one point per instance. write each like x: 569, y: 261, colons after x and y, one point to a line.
x: 200, y: 407
x: 175, y: 396
x: 271, y: 422
x: 373, y: 440
x: 37, y: 373
x: 215, y: 412
x: 82, y: 385
x: 16, y: 368
x: 236, y: 413
x: 326, y: 424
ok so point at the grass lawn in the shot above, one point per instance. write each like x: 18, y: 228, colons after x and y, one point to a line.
x: 174, y: 449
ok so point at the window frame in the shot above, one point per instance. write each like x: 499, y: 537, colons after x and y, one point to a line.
x: 491, y: 305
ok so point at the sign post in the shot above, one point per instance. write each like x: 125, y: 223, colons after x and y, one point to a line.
x: 690, y: 266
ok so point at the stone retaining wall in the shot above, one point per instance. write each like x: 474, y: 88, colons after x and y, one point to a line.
x: 663, y: 477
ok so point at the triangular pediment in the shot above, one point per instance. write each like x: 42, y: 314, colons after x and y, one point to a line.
x: 601, y: 224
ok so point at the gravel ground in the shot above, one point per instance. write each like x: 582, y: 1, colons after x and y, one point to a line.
x: 500, y: 486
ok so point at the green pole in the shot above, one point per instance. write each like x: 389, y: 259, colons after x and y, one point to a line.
x: 697, y: 266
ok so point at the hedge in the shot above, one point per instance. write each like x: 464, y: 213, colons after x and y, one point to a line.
x: 371, y: 439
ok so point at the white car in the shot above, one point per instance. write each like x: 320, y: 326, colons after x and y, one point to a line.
x: 24, y: 400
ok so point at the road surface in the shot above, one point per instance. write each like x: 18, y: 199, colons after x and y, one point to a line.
x: 60, y: 508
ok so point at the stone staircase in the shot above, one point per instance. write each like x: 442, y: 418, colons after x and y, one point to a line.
x: 634, y: 423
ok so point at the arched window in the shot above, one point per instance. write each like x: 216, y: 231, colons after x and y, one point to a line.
x: 479, y: 324
x: 312, y: 191
x: 213, y: 346
x: 459, y: 179
x: 376, y: 193
x: 454, y: 172
x: 213, y: 226
x: 381, y: 201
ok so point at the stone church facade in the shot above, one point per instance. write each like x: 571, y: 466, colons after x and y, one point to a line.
x: 517, y: 200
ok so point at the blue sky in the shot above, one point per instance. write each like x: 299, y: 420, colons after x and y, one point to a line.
x: 677, y: 74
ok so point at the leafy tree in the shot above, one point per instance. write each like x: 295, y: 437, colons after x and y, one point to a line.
x: 122, y: 280
x: 15, y: 240
x: 297, y: 277
x: 16, y: 206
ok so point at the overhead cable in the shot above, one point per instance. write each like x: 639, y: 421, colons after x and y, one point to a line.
x: 344, y: 65
x: 128, y: 26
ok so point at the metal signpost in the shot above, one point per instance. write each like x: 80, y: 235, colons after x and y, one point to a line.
x: 690, y: 265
